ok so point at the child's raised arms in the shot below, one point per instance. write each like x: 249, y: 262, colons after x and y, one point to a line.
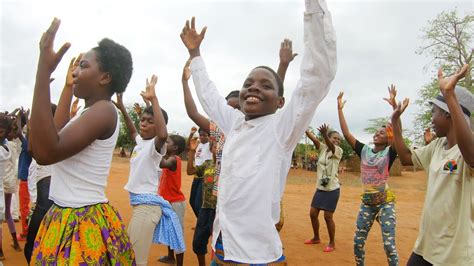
x: 132, y: 131
x: 192, y: 146
x: 342, y: 121
x: 324, y: 129
x: 48, y: 145
x: 63, y: 111
x: 158, y: 118
x: 463, y: 133
x: 403, y: 151
x: 286, y: 56
x: 313, y: 138
x: 191, y: 108
x: 191, y: 39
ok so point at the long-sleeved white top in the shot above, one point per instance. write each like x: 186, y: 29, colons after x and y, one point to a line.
x: 257, y: 153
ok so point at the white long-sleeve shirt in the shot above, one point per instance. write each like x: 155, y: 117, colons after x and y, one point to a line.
x: 257, y: 153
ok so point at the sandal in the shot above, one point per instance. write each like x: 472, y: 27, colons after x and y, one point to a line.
x: 166, y: 260
x: 329, y: 249
x: 312, y: 241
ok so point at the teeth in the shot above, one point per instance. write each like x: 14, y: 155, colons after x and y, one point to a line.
x: 252, y: 98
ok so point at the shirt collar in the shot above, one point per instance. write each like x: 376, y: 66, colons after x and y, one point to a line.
x: 253, y: 122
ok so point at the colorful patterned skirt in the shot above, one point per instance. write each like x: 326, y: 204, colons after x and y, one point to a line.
x: 91, y: 235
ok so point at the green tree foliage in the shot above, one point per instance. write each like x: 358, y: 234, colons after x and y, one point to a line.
x: 448, y: 41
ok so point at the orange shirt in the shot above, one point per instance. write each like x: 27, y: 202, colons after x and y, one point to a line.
x: 170, y: 184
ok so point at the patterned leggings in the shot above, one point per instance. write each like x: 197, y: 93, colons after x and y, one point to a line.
x: 365, y: 219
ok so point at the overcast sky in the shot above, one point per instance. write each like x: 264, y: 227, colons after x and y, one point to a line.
x: 376, y: 43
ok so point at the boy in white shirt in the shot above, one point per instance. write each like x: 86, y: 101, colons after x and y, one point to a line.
x: 152, y: 216
x: 259, y: 142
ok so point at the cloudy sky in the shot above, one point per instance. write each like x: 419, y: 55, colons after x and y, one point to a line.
x: 377, y: 41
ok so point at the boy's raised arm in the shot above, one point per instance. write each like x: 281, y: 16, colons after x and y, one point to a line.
x: 213, y: 104
x: 191, y: 108
x: 286, y: 56
x: 318, y: 69
x: 158, y: 119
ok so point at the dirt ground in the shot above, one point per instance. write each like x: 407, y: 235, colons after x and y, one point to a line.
x: 409, y: 189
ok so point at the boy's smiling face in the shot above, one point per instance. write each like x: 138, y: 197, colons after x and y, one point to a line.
x: 259, y: 94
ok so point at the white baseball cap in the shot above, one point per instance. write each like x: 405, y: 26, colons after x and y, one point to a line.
x: 465, y: 99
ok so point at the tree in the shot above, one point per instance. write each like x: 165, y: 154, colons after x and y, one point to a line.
x: 447, y: 39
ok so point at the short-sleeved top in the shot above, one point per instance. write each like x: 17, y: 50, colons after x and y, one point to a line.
x: 145, y: 168
x: 216, y: 133
x: 5, y: 156
x: 24, y: 161
x: 203, y: 153
x: 328, y: 166
x: 375, y: 166
x: 207, y: 171
x: 446, y: 235
x: 170, y: 183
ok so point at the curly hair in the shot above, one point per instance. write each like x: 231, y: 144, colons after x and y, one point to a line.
x: 116, y: 60
x: 180, y: 142
x: 5, y: 123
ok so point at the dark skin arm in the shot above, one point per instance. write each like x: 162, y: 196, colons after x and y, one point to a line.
x: 158, y: 119
x: 191, y: 108
x: 342, y: 121
x: 403, y: 151
x: 168, y: 162
x: 286, y: 56
x: 49, y: 146
x: 62, y: 115
x: 192, y: 145
x: 463, y: 133
x: 313, y: 138
x: 128, y: 120
x: 324, y: 132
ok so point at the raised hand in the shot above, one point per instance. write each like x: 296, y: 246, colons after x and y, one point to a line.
x: 119, y: 102
x: 149, y: 93
x: 186, y: 71
x: 392, y: 91
x: 286, y: 51
x: 428, y: 136
x: 324, y: 128
x: 340, y: 102
x: 193, y: 130
x: 191, y: 38
x: 193, y: 143
x: 72, y: 65
x: 48, y: 58
x: 138, y: 109
x: 449, y: 83
x: 401, y: 106
x: 147, y: 103
x: 75, y: 108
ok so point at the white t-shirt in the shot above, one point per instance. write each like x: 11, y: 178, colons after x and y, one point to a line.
x: 203, y: 153
x: 10, y: 179
x: 37, y: 171
x: 80, y: 180
x: 145, y: 171
x: 5, y: 156
x: 446, y: 235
